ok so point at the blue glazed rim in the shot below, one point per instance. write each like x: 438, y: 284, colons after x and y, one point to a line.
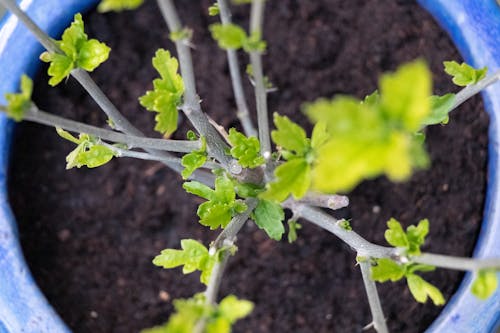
x: 474, y: 26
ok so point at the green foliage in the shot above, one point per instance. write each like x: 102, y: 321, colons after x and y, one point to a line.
x: 214, y: 10
x: 193, y: 256
x: 387, y: 269
x: 233, y: 37
x: 411, y: 240
x: 89, y: 152
x: 245, y: 150
x: 440, y: 108
x: 183, y: 34
x: 218, y: 318
x: 221, y: 205
x: 269, y: 216
x: 267, y: 83
x: 77, y: 52
x: 241, y: 2
x: 293, y: 226
x: 292, y: 177
x: 118, y: 5
x: 290, y: 136
x: 485, y: 284
x: 194, y: 159
x: 374, y: 137
x: 167, y: 93
x: 18, y: 104
x: 344, y: 224
x: 464, y: 74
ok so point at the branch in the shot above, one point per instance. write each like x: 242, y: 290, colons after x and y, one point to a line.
x: 41, y: 117
x: 191, y: 108
x: 457, y: 263
x: 234, y: 70
x: 373, y: 300
x: 332, y: 202
x: 471, y: 90
x: 256, y: 18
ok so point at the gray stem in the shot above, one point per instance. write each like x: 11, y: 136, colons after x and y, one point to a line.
x: 234, y: 70
x: 457, y: 263
x: 373, y: 299
x: 330, y: 201
x: 41, y: 117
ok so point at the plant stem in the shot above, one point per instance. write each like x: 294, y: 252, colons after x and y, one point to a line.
x: 256, y: 19
x: 457, y: 263
x: 471, y: 90
x: 351, y: 238
x: 216, y: 145
x: 373, y: 299
x: 41, y: 117
x: 332, y: 202
x: 234, y: 70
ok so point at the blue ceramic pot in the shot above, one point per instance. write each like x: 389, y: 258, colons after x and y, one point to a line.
x: 474, y: 26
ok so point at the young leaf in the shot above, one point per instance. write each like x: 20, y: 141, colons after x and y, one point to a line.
x: 485, y: 284
x: 387, y: 269
x: 18, y: 104
x: 233, y: 309
x: 118, y: 5
x: 269, y: 216
x: 78, y: 52
x: 440, y: 108
x: 421, y: 289
x: 228, y: 36
x: 88, y: 152
x: 193, y: 256
x: 245, y: 150
x: 293, y: 226
x: 464, y: 74
x: 411, y: 240
x: 395, y: 235
x: 289, y: 135
x: 194, y: 160
x: 167, y: 93
x: 292, y: 177
x: 213, y: 10
x: 254, y: 43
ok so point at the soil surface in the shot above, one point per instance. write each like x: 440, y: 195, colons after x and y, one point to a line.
x: 90, y: 235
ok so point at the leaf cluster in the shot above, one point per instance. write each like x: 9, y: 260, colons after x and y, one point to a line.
x: 409, y: 241
x: 89, y: 151
x: 18, y: 104
x: 222, y: 204
x: 167, y: 93
x: 233, y: 37
x: 77, y: 52
x: 217, y: 318
x: 464, y: 74
x: 245, y: 149
x: 194, y: 159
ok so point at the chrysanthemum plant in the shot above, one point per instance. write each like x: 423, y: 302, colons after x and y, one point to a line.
x: 243, y: 178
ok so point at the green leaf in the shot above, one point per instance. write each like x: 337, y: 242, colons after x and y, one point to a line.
x: 395, y: 235
x: 464, y: 74
x: 245, y: 150
x: 416, y: 236
x: 228, y: 36
x: 199, y: 189
x: 387, y: 269
x: 254, y: 43
x: 319, y: 135
x: 18, y: 104
x: 194, y: 160
x: 485, y: 284
x: 421, y: 289
x: 88, y: 151
x: 404, y: 95
x: 193, y: 256
x: 213, y: 10
x: 269, y: 216
x: 289, y: 135
x: 233, y: 309
x: 440, y: 108
x: 167, y: 93
x: 292, y: 177
x: 118, y: 5
x: 248, y: 190
x: 293, y: 226
x: 77, y: 52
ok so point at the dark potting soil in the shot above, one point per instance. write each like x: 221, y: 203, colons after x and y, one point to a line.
x: 89, y: 235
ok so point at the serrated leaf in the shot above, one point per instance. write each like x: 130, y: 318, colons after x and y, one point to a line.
x: 234, y: 309
x: 245, y: 150
x: 395, y: 234
x: 387, y: 269
x: 416, y: 236
x: 77, y: 52
x: 248, y: 190
x: 440, y: 108
x: 167, y: 93
x: 404, y: 94
x: 118, y: 5
x: 464, y: 74
x: 228, y: 36
x: 319, y: 135
x: 485, y: 284
x: 269, y: 217
x: 18, y: 104
x: 289, y: 135
x: 292, y: 177
x: 191, y: 162
x: 199, y: 189
x: 421, y: 290
x: 214, y: 214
